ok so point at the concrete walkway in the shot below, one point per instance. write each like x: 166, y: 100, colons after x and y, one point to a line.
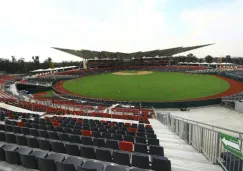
x: 213, y: 115
x: 183, y: 157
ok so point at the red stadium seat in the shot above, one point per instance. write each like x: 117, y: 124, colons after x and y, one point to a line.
x: 126, y: 146
x: 148, y: 126
x: 132, y: 129
x: 79, y: 121
x: 21, y: 124
x: 11, y: 116
x: 55, y: 124
x: 112, y: 124
x: 127, y: 124
x: 86, y: 133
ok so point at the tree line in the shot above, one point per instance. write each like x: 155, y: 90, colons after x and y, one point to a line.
x: 16, y: 66
x: 209, y: 59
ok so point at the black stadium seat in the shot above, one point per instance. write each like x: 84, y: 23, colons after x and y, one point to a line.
x: 115, y: 168
x: 75, y: 138
x: 106, y: 135
x: 96, y: 134
x: 140, y: 160
x: 153, y: 141
x: 87, y: 151
x: 117, y: 137
x: 34, y: 132
x: 53, y: 135
x: 11, y: 156
x: 104, y: 154
x: 141, y: 148
x: 10, y: 137
x: 31, y: 141
x: 16, y: 129
x: 91, y: 166
x: 86, y: 140
x: 25, y: 130
x: 121, y: 157
x: 63, y: 136
x: 58, y: 147
x: 140, y: 140
x: 73, y: 160
x: 2, y: 155
x: 44, y: 144
x: 99, y: 142
x: 69, y: 164
x: 72, y: 149
x: 20, y: 139
x: 2, y: 136
x: 49, y: 163
x: 149, y: 135
x: 30, y: 160
x: 156, y: 150
x: 159, y: 162
x: 113, y: 144
x: 43, y: 133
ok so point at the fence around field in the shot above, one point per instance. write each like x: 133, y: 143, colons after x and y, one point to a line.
x: 205, y: 139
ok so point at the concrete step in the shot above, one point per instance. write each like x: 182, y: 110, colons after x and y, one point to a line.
x: 183, y: 157
x: 171, y: 140
x: 175, y: 146
x: 194, y: 166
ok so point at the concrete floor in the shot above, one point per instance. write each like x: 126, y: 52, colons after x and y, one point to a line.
x: 213, y: 115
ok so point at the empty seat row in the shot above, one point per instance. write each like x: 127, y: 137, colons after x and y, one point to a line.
x: 55, y: 135
x: 104, y: 154
x: 59, y: 146
x: 72, y: 122
x: 118, y: 130
x: 93, y: 127
x: 34, y: 159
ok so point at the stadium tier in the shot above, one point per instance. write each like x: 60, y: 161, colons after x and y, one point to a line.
x: 48, y: 126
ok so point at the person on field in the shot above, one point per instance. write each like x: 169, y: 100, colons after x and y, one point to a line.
x: 174, y: 89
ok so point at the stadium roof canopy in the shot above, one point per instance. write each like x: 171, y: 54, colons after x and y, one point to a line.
x: 54, y: 69
x: 88, y: 54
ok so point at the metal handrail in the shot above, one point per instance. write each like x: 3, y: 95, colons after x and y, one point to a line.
x: 201, y: 123
x: 206, y: 140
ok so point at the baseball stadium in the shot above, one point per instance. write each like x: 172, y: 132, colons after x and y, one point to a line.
x: 119, y: 111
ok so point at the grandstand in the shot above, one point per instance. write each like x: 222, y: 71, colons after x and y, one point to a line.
x: 94, y: 59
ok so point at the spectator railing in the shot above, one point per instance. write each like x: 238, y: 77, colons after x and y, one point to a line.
x: 207, y: 139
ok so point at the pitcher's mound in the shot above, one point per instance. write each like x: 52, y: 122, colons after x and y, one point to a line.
x: 132, y: 73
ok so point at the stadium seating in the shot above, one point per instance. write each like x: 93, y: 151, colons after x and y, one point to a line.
x: 87, y: 145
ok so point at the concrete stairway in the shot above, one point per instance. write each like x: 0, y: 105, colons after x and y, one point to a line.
x: 183, y: 157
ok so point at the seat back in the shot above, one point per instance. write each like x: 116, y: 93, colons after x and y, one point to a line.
x: 112, y: 144
x: 141, y: 148
x: 72, y: 149
x: 156, y: 150
x: 121, y: 157
x: 126, y: 146
x: 86, y: 133
x: 140, y: 160
x: 103, y: 154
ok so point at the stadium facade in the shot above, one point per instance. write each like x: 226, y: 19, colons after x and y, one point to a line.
x: 99, y: 59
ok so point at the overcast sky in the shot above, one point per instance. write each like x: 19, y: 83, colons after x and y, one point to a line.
x: 31, y: 27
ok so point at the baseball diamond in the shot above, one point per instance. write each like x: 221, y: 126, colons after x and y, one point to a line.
x: 150, y: 86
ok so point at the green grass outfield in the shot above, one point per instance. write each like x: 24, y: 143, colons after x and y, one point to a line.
x: 158, y: 86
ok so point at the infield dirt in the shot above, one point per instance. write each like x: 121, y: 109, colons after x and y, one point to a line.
x: 135, y: 73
